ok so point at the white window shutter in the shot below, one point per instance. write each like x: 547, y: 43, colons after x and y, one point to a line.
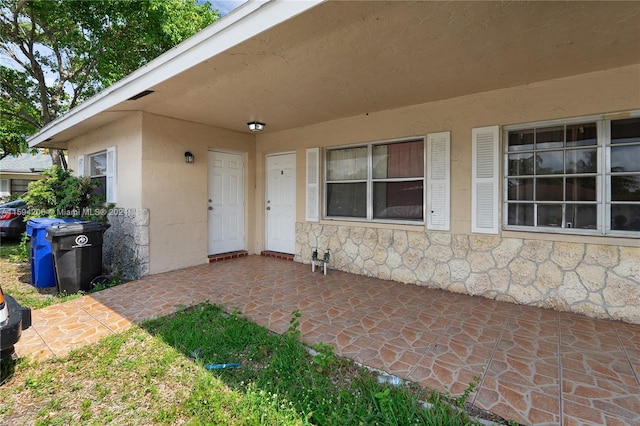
x: 313, y: 189
x: 4, y: 188
x: 438, y: 181
x: 485, y: 180
x: 111, y: 175
x: 80, y: 171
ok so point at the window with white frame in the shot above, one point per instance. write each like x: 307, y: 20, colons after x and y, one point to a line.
x: 581, y: 176
x: 102, y: 169
x: 377, y: 181
x: 98, y: 172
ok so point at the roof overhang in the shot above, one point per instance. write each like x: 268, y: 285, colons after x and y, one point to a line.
x: 291, y: 64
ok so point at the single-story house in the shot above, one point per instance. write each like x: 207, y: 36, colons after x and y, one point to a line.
x: 16, y: 172
x: 486, y: 148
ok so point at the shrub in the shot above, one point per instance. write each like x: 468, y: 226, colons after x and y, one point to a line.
x: 60, y: 194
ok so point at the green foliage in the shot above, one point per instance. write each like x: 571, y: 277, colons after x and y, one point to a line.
x: 324, y: 355
x: 104, y: 282
x: 18, y: 117
x: 21, y: 254
x: 294, y: 328
x: 462, y: 399
x: 10, y: 250
x: 60, y: 194
x: 61, y: 52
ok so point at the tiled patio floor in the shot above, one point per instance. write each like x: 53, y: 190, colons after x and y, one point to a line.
x: 536, y: 366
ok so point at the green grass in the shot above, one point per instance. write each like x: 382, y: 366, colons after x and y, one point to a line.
x: 145, y: 376
x: 9, y: 248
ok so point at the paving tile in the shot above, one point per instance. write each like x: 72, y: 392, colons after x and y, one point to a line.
x: 613, y: 365
x: 529, y: 345
x: 31, y: 344
x: 629, y: 335
x: 536, y: 366
x: 470, y: 333
x: 524, y: 404
x: 590, y: 341
x: 634, y: 359
x: 444, y: 377
x: 617, y: 396
x: 582, y: 415
x: 531, y: 372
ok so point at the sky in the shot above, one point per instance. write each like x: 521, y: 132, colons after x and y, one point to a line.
x: 226, y: 6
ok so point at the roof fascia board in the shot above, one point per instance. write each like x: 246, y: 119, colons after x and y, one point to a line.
x: 249, y: 20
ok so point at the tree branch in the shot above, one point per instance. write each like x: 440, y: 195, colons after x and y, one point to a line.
x: 26, y: 118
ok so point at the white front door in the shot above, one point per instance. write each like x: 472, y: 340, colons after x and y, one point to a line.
x: 226, y: 202
x: 281, y: 203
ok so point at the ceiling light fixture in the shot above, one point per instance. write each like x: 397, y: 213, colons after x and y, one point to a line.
x: 256, y: 126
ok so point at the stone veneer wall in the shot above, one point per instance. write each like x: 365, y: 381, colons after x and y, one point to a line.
x: 125, y: 250
x: 600, y: 281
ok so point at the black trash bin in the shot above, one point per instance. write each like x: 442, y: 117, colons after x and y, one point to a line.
x: 77, y: 254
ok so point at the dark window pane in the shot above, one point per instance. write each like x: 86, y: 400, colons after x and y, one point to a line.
x: 19, y: 186
x: 520, y: 189
x: 625, y: 217
x: 581, y: 189
x: 347, y: 199
x: 398, y: 160
x: 520, y: 214
x: 550, y: 215
x: 101, y: 187
x: 583, y: 216
x: 521, y: 140
x: 625, y: 158
x: 398, y: 200
x: 549, y: 189
x: 625, y: 131
x: 625, y: 188
x: 550, y: 163
x: 582, y: 134
x: 550, y: 137
x: 582, y: 160
x: 521, y: 164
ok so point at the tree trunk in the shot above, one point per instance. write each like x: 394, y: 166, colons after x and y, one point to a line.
x: 58, y: 158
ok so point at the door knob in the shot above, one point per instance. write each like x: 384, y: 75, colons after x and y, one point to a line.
x: 210, y: 208
x: 268, y: 208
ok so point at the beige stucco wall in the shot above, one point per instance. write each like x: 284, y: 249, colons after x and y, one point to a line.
x: 126, y: 136
x: 594, y: 93
x: 176, y: 192
x: 156, y: 184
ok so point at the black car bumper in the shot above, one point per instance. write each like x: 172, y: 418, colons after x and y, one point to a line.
x: 11, y: 230
x: 10, y: 332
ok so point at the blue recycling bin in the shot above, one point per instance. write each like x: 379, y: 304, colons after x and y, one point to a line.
x: 42, y: 269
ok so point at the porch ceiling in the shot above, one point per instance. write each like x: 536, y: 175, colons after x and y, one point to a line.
x: 343, y: 59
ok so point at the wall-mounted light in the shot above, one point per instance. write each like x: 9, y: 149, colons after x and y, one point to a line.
x: 188, y: 157
x: 256, y: 126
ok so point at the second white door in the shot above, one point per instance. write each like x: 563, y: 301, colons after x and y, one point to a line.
x: 281, y: 203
